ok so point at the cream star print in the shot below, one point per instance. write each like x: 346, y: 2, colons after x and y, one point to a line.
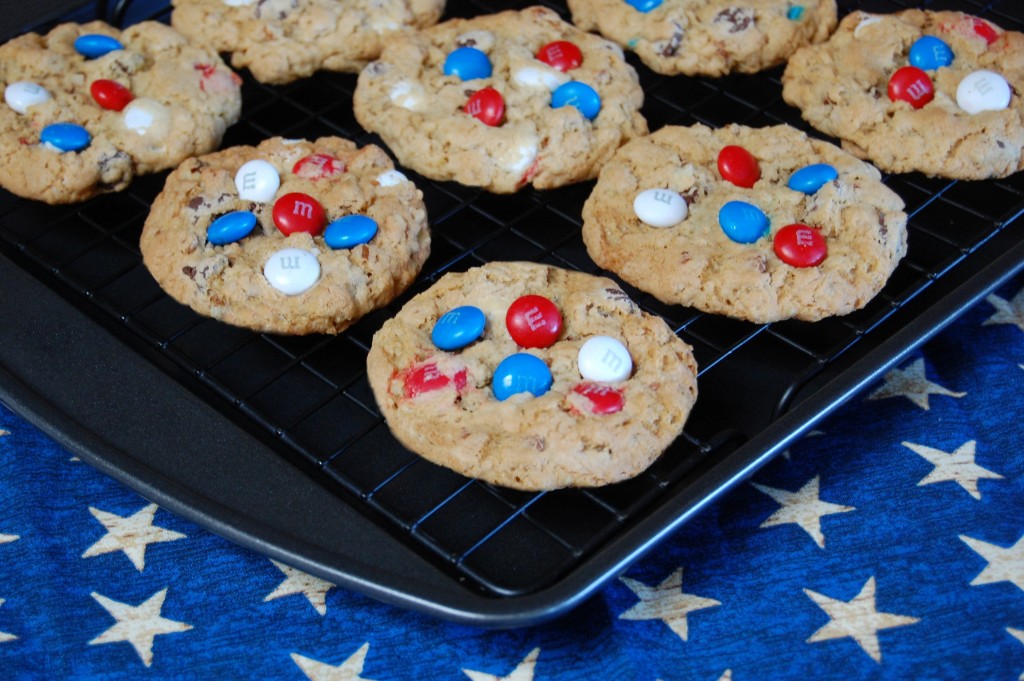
x: 858, y: 619
x: 957, y: 466
x: 523, y: 671
x: 803, y: 508
x: 912, y: 384
x: 7, y: 538
x: 349, y: 670
x: 131, y: 535
x: 1004, y: 564
x: 138, y: 625
x: 298, y: 582
x: 1007, y: 312
x: 665, y: 602
x: 4, y: 637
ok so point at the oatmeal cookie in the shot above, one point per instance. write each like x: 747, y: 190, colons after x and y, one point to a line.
x: 88, y: 107
x: 532, y: 377
x: 502, y: 101
x: 708, y: 37
x: 761, y: 224
x: 935, y: 92
x: 280, y: 41
x: 289, y: 237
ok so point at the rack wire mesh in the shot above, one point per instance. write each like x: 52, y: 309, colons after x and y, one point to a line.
x: 308, y: 397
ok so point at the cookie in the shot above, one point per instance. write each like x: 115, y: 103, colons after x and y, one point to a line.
x: 501, y: 101
x: 88, y: 107
x: 761, y: 224
x: 280, y: 41
x: 289, y: 237
x: 532, y: 377
x: 708, y: 37
x: 935, y: 92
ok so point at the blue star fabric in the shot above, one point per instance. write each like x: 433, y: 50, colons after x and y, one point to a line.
x: 886, y: 544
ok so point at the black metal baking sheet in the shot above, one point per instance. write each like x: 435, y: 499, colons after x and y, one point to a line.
x: 276, y: 442
x: 19, y: 17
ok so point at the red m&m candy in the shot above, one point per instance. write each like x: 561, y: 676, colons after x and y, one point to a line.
x: 533, y: 322
x: 316, y: 166
x: 427, y: 377
x: 487, y: 106
x: 298, y: 212
x: 603, y: 399
x: 110, y: 94
x: 800, y: 246
x: 205, y: 70
x: 985, y: 30
x: 737, y: 165
x: 561, y: 55
x: 912, y: 85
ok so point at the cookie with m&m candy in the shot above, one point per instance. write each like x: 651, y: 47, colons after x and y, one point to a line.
x: 708, y: 37
x: 532, y: 377
x: 760, y: 224
x: 931, y: 91
x: 281, y: 41
x: 88, y: 107
x: 289, y: 237
x: 502, y: 101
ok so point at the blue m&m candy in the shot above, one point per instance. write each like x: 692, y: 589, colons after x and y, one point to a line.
x: 579, y: 95
x: 350, y: 231
x: 521, y: 373
x: 467, y: 63
x: 230, y: 227
x: 458, y: 327
x: 930, y: 53
x: 810, y: 179
x: 65, y: 136
x: 643, y: 5
x: 93, y: 45
x: 742, y: 222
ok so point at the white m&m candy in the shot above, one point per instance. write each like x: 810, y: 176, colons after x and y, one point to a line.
x: 292, y: 270
x: 23, y: 94
x: 406, y: 95
x: 868, y: 20
x: 390, y: 178
x: 604, y: 359
x: 539, y: 77
x: 147, y: 116
x: 660, y: 207
x: 983, y: 91
x: 257, y: 180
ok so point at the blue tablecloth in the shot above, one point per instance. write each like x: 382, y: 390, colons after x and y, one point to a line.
x: 889, y: 543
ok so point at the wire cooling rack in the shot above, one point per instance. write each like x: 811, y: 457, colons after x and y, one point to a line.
x: 276, y: 442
